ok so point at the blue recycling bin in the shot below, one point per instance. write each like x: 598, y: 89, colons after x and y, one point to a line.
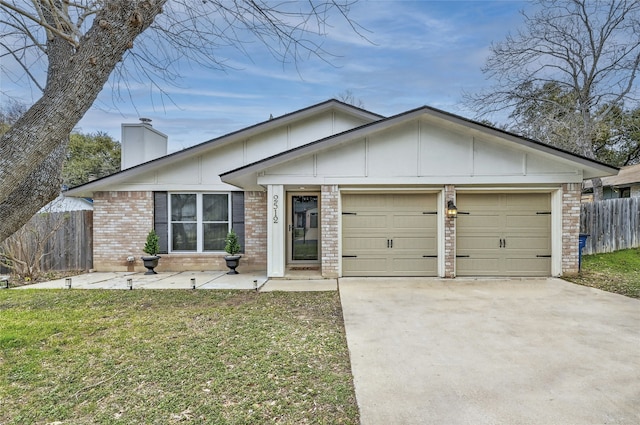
x: 582, y: 242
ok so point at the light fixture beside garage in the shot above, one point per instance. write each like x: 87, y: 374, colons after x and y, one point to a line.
x: 452, y: 210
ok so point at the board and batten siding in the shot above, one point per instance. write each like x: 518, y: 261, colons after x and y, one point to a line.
x: 612, y: 224
x: 417, y: 152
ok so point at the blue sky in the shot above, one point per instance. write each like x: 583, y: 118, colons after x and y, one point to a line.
x: 418, y: 53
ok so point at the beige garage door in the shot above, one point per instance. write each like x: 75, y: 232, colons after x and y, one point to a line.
x: 503, y: 234
x: 389, y: 235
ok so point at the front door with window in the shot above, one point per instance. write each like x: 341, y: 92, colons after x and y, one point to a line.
x: 303, y: 228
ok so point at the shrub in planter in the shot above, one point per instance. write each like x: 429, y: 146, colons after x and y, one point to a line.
x: 152, y: 248
x: 232, y: 247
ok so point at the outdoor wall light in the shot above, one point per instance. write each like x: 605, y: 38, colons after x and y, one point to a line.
x: 452, y: 210
x: 67, y: 283
x: 130, y: 284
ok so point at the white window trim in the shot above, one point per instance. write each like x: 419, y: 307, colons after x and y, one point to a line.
x: 199, y: 222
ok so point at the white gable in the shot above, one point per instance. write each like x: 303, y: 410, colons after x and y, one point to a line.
x: 201, y: 170
x: 420, y: 151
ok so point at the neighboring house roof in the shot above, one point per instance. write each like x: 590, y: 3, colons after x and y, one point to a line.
x: 591, y: 168
x: 627, y: 176
x: 63, y: 203
x: 243, y: 134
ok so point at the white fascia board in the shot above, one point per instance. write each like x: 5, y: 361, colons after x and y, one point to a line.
x: 434, y: 181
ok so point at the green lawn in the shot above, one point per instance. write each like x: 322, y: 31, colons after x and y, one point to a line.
x: 217, y: 357
x: 617, y: 272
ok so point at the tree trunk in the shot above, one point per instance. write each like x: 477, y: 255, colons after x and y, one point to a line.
x: 30, y: 150
x: 598, y: 194
x: 35, y: 191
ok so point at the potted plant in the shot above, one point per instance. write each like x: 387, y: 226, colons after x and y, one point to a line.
x: 151, y: 247
x: 232, y: 247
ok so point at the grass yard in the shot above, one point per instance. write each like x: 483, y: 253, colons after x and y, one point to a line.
x: 163, y: 357
x: 617, y: 272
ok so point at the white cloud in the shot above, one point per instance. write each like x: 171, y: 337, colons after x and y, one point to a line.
x: 420, y: 52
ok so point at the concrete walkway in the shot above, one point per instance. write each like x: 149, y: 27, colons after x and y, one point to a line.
x: 183, y: 280
x: 529, y: 351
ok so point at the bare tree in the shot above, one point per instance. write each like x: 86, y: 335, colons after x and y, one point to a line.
x: 347, y: 96
x: 24, y: 251
x: 575, y: 61
x: 9, y: 114
x: 79, y: 44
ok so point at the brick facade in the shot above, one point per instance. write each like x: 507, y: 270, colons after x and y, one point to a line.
x: 123, y: 219
x: 255, y: 230
x: 571, y: 194
x: 330, y: 237
x: 449, y: 235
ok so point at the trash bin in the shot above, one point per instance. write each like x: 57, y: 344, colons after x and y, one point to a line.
x: 581, y: 244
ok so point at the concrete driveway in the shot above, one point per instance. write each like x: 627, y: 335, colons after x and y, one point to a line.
x: 464, y: 351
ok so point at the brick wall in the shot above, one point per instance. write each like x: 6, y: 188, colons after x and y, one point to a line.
x: 449, y: 235
x: 123, y: 219
x: 330, y: 238
x: 255, y: 229
x: 571, y: 193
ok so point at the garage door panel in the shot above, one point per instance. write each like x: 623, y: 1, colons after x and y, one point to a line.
x: 411, y: 266
x: 369, y: 201
x: 365, y: 220
x: 477, y: 201
x: 478, y: 242
x: 411, y: 201
x: 363, y: 244
x: 504, y: 234
x: 478, y: 222
x: 527, y: 223
x: 415, y: 243
x: 412, y: 221
x: 527, y: 266
x: 388, y: 234
x: 366, y: 265
x: 538, y: 244
x: 477, y: 266
x: 528, y: 201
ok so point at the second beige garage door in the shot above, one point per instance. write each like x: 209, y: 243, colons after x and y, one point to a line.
x: 389, y: 235
x: 503, y: 234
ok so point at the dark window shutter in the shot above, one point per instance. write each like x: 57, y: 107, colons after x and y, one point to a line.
x: 237, y: 215
x: 161, y: 220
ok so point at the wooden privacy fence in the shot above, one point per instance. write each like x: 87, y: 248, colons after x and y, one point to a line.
x: 612, y: 224
x: 71, y: 248
x: 64, y: 238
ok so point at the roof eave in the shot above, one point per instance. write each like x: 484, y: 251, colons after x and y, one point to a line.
x: 591, y: 168
x: 87, y: 189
